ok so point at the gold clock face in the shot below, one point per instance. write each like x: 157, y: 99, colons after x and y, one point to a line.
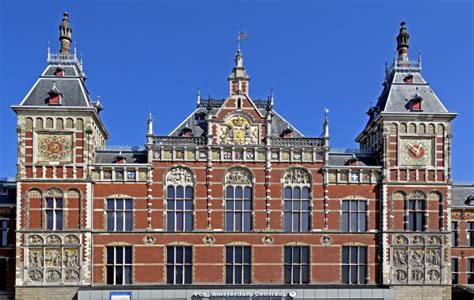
x: 54, y: 148
x: 416, y: 152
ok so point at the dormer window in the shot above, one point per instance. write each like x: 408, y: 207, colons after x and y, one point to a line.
x: 200, y: 116
x: 59, y: 72
x: 470, y: 200
x: 186, y: 132
x: 287, y: 133
x: 352, y: 162
x: 408, y: 79
x: 120, y: 159
x: 416, y: 104
x: 55, y: 96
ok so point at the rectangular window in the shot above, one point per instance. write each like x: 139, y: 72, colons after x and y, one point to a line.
x: 119, y: 214
x: 4, y: 228
x: 296, y: 264
x: 354, y: 264
x: 470, y: 234
x: 354, y: 216
x: 416, y: 215
x: 179, y: 264
x: 470, y: 270
x: 454, y: 270
x: 3, y: 274
x: 119, y: 265
x: 54, y: 213
x: 238, y: 264
x: 454, y: 234
x: 179, y: 211
x: 238, y: 208
x: 297, y: 209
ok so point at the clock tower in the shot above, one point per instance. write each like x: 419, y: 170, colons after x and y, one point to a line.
x: 59, y: 130
x: 409, y: 132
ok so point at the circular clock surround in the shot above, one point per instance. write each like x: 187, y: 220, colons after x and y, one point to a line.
x: 54, y: 147
x: 415, y: 152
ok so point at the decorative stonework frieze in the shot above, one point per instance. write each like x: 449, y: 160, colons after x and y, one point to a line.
x: 238, y: 176
x: 416, y: 259
x: 179, y: 176
x: 52, y: 258
x: 296, y: 176
x: 237, y: 131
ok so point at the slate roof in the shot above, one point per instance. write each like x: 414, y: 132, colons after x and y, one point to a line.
x: 138, y: 156
x: 199, y: 127
x: 340, y: 158
x: 7, y: 191
x: 460, y: 194
x: 71, y: 86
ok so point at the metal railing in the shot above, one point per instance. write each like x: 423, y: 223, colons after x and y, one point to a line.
x: 180, y: 140
x: 297, y: 142
x: 404, y: 65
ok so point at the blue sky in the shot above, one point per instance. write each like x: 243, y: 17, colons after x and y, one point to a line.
x: 142, y: 55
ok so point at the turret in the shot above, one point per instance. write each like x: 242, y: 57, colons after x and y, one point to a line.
x: 65, y: 31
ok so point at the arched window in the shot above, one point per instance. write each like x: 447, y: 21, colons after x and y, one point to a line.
x: 415, y: 211
x: 297, y: 200
x: 238, y: 200
x: 179, y: 199
x: 54, y: 205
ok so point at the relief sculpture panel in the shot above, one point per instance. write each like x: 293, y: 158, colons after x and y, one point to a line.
x: 416, y: 259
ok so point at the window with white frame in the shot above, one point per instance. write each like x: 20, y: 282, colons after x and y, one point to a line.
x: 297, y: 200
x: 179, y: 264
x: 354, y: 215
x: 119, y: 265
x: 470, y: 270
x: 4, y: 229
x: 119, y: 214
x: 179, y: 199
x: 354, y: 264
x: 454, y: 234
x: 455, y: 270
x: 238, y: 264
x: 54, y: 210
x: 470, y: 234
x: 238, y: 200
x: 416, y: 211
x: 296, y: 264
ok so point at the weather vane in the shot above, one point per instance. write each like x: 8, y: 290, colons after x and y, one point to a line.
x: 240, y: 37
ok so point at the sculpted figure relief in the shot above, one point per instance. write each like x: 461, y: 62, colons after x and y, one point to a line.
x: 179, y: 175
x: 238, y: 131
x: 297, y: 176
x: 238, y: 176
x: 72, y: 259
x: 433, y: 257
x: 36, y: 258
x: 400, y: 258
x: 416, y: 257
x: 400, y: 275
x: 417, y: 275
x: 53, y: 258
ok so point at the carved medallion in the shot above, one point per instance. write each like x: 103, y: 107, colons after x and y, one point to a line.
x: 326, y: 240
x: 238, y: 131
x: 296, y: 176
x: 71, y: 275
x: 35, y: 239
x: 53, y: 239
x: 53, y: 275
x: 35, y: 275
x: 149, y: 239
x: 179, y: 175
x: 54, y: 147
x: 238, y: 176
x: 71, y: 239
x: 209, y: 239
x: 268, y: 240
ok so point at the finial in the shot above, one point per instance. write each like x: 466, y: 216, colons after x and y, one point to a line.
x: 65, y: 31
x: 98, y: 100
x: 241, y: 36
x: 326, y: 126
x: 271, y: 97
x: 150, y: 124
x: 402, y: 42
x: 198, y: 95
x: 49, y: 47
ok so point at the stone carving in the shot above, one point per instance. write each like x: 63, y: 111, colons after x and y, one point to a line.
x: 53, y: 275
x: 35, y: 275
x: 417, y: 275
x: 433, y: 275
x: 417, y: 195
x: 326, y: 240
x: 268, y: 240
x: 71, y: 258
x: 35, y: 258
x: 238, y: 131
x: 209, y: 239
x: 238, y: 176
x: 52, y: 258
x: 400, y: 275
x: 433, y: 257
x: 296, y: 176
x: 417, y: 240
x: 35, y: 239
x: 416, y: 257
x: 54, y: 147
x: 71, y: 239
x: 71, y: 275
x: 179, y: 176
x: 400, y: 258
x: 156, y: 155
x: 53, y: 239
x: 401, y: 240
x: 149, y: 239
x: 434, y: 240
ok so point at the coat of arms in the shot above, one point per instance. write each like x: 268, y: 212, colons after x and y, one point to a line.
x: 238, y: 131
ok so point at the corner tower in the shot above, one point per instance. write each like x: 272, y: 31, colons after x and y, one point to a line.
x: 409, y: 132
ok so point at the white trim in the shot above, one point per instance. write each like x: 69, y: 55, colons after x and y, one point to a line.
x: 302, y: 135
x: 189, y: 116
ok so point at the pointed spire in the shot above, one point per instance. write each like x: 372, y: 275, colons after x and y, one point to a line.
x: 238, y: 78
x: 150, y: 124
x: 198, y: 101
x: 65, y: 31
x: 402, y: 42
x: 326, y: 127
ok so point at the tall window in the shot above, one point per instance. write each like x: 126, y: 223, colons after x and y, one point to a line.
x: 179, y: 199
x: 179, y: 265
x: 238, y: 200
x: 54, y: 213
x: 454, y: 234
x: 416, y: 210
x: 470, y: 270
x: 119, y: 265
x: 354, y: 264
x: 3, y: 273
x: 296, y: 264
x: 454, y: 270
x: 354, y: 215
x: 4, y: 229
x: 470, y: 234
x: 119, y: 214
x: 297, y: 200
x: 238, y: 264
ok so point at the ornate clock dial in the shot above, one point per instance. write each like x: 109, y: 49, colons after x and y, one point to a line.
x: 54, y: 147
x: 416, y: 152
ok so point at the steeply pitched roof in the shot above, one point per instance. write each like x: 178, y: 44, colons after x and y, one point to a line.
x: 342, y: 158
x: 462, y: 195
x: 131, y: 155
